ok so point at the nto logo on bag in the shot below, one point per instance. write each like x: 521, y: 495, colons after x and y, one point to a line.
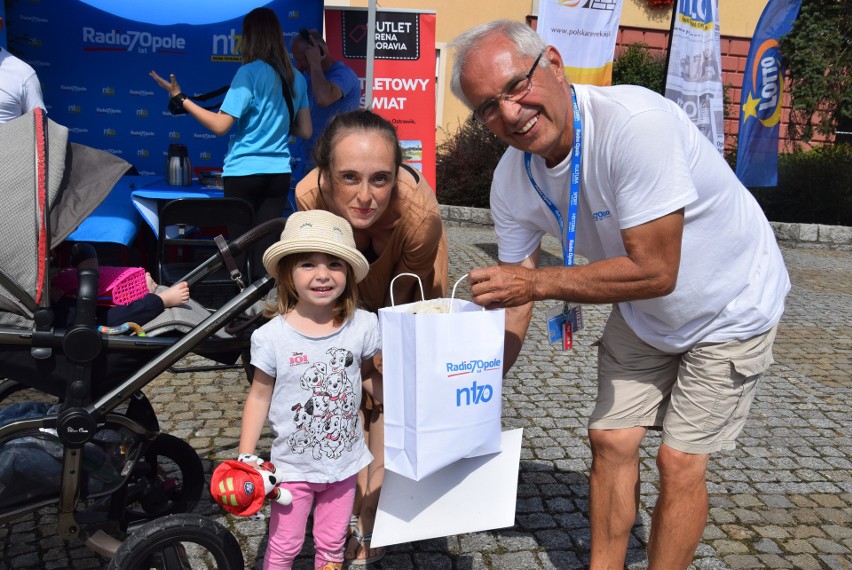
x: 476, y: 394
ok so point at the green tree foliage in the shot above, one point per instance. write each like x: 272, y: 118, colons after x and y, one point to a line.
x: 819, y: 60
x: 638, y: 65
x: 464, y: 164
x: 814, y: 187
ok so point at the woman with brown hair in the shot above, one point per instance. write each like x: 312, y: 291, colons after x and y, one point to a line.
x: 269, y: 103
x: 397, y: 226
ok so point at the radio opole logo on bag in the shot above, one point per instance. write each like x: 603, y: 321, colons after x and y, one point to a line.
x: 472, y: 367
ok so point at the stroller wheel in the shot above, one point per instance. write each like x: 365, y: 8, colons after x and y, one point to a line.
x: 168, y: 479
x: 179, y: 542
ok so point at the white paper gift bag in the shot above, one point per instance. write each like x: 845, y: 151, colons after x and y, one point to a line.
x: 443, y: 380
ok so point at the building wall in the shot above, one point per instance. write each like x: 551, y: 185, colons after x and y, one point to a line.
x: 737, y: 19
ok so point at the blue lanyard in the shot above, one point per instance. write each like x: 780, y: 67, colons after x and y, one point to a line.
x: 569, y: 237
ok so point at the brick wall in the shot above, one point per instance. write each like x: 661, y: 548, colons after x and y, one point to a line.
x: 734, y: 54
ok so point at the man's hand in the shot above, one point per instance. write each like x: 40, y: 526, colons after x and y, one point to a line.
x: 313, y: 55
x: 502, y: 286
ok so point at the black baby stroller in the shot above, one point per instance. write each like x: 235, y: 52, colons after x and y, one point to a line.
x: 96, y: 451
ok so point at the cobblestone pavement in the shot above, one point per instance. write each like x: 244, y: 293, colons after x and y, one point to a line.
x: 782, y: 499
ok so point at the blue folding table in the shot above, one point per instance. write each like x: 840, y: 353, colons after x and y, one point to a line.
x: 115, y: 220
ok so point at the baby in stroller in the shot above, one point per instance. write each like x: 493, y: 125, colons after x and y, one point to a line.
x: 146, y: 301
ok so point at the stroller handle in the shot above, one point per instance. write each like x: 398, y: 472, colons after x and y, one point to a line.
x: 234, y: 248
x: 243, y: 242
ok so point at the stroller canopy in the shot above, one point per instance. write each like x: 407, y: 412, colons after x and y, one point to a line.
x: 49, y: 187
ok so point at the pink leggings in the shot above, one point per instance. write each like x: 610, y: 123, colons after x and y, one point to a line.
x: 334, y: 503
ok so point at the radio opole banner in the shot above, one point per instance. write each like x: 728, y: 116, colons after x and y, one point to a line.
x: 403, y: 73
x: 93, y: 58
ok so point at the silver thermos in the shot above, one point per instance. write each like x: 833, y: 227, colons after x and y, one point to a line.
x: 178, y: 168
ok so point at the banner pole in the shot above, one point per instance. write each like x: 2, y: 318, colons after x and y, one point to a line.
x: 371, y: 53
x: 675, y: 10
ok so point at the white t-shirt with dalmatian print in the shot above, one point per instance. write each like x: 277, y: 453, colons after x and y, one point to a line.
x: 317, y: 394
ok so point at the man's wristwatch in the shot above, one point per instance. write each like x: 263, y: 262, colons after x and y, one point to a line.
x: 178, y: 99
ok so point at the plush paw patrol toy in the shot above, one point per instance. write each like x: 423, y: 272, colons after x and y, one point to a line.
x: 242, y: 486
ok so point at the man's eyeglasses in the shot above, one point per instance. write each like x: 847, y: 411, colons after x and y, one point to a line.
x: 516, y: 91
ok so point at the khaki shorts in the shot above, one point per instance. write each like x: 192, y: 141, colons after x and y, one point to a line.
x: 700, y: 398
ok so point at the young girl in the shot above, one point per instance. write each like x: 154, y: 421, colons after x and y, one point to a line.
x: 311, y: 361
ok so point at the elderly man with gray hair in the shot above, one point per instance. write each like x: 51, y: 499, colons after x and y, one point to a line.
x: 674, y: 242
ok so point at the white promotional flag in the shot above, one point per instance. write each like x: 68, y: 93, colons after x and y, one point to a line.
x: 584, y: 32
x: 694, y: 76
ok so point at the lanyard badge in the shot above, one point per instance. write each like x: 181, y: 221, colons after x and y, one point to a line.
x: 563, y: 322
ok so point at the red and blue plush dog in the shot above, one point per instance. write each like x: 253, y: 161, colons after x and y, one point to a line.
x: 242, y: 486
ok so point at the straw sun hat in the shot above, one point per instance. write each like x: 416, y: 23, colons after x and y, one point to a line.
x: 317, y: 231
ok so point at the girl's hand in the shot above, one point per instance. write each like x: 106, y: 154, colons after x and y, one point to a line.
x: 249, y: 458
x: 171, y: 86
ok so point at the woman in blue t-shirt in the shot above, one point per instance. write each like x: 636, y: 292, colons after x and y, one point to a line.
x: 269, y: 103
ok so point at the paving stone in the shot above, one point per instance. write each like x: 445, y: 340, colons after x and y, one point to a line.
x: 780, y: 517
x: 829, y: 501
x: 724, y: 547
x: 837, y: 532
x: 805, y: 531
x: 710, y: 564
x: 767, y: 545
x: 514, y: 560
x: 774, y: 561
x: 836, y: 562
x: 781, y: 499
x: 711, y: 532
x: 559, y: 560
x: 722, y: 516
x: 798, y: 545
x: 771, y: 531
x: 743, y: 561
x: 828, y: 546
x: 805, y: 562
x: 747, y: 501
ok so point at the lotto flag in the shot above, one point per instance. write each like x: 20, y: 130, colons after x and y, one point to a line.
x: 763, y: 90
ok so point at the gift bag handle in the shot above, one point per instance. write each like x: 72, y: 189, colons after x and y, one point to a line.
x: 420, y: 282
x: 453, y: 296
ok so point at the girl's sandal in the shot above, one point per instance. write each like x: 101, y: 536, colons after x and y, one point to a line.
x: 353, y: 541
x: 353, y: 526
x: 363, y: 542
